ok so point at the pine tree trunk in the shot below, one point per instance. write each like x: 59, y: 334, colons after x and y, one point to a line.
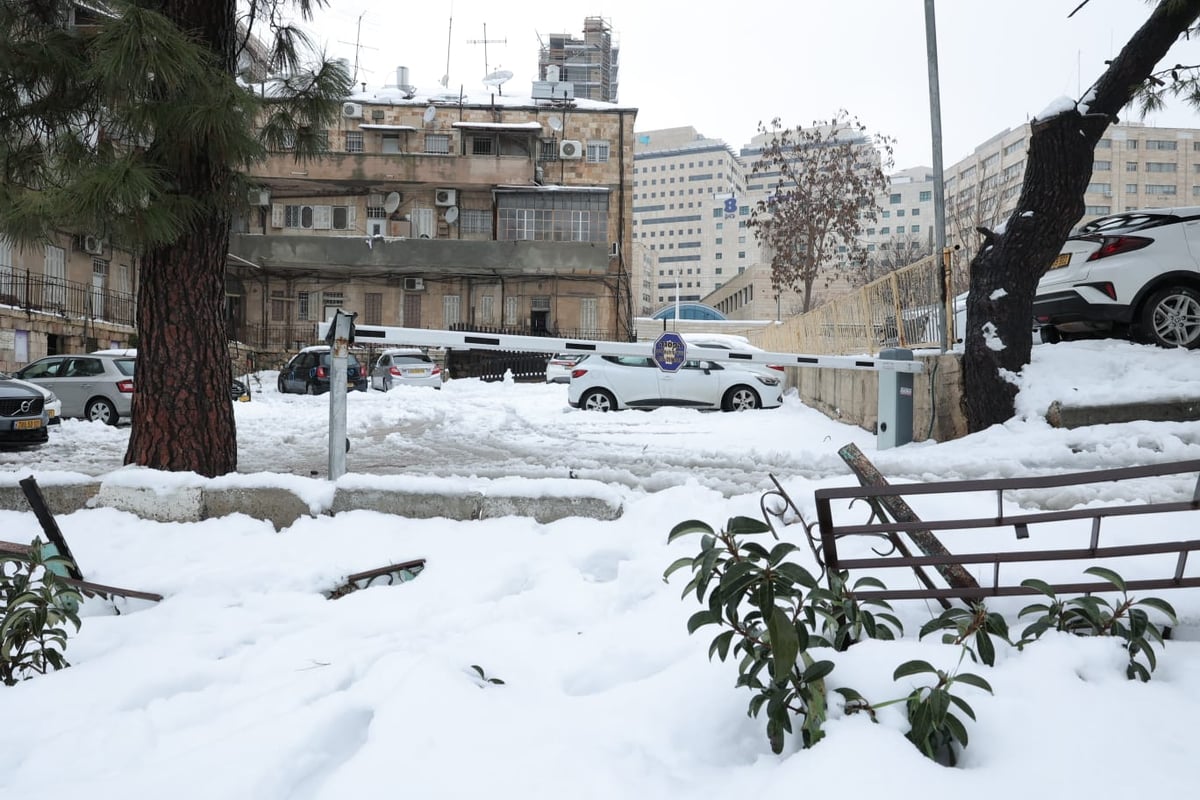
x: 182, y: 410
x: 1006, y: 270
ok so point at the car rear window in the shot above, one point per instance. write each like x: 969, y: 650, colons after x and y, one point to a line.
x: 416, y: 359
x: 125, y: 365
x: 327, y: 359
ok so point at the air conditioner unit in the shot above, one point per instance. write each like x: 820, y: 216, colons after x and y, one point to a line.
x: 93, y: 245
x: 414, y: 284
x: 352, y: 110
x: 570, y: 149
x: 446, y: 197
x: 259, y: 197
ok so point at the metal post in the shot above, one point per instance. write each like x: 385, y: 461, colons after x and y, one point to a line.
x: 935, y: 125
x: 339, y: 355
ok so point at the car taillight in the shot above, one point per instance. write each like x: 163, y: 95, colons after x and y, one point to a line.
x: 321, y: 372
x: 437, y: 370
x: 1113, y: 245
x: 779, y: 367
x: 125, y: 386
x: 395, y: 371
x: 578, y: 373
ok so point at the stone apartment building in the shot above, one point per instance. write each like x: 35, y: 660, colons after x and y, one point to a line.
x: 489, y: 211
x: 74, y: 293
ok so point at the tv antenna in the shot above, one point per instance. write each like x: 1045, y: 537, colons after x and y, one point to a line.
x: 449, y: 28
x: 358, y: 47
x: 487, y: 67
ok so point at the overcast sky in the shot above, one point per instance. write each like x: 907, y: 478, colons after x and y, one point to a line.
x: 723, y: 67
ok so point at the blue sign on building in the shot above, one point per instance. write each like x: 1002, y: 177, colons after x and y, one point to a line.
x: 731, y: 205
x: 670, y: 351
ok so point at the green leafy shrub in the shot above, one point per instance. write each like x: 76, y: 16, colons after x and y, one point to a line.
x: 774, y: 612
x: 35, y: 609
x: 1095, y: 616
x: 935, y: 729
x: 973, y: 628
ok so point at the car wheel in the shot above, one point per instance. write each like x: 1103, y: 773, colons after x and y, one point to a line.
x: 740, y: 398
x: 310, y: 388
x: 1049, y: 334
x: 1171, y: 317
x: 282, y: 388
x: 100, y: 409
x: 598, y: 400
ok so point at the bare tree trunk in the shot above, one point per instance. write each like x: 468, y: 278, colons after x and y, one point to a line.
x: 182, y: 409
x: 1006, y: 270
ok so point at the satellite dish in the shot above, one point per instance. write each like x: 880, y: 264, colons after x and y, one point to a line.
x: 452, y: 214
x: 497, y: 78
x: 392, y: 202
x: 429, y: 114
x: 555, y: 122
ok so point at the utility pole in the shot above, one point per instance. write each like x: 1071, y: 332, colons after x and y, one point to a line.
x: 939, y: 190
x: 487, y: 70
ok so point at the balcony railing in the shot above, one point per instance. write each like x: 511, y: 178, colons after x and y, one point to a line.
x: 42, y: 294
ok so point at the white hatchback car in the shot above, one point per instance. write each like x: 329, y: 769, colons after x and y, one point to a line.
x: 407, y: 366
x: 1135, y: 273
x: 611, y: 383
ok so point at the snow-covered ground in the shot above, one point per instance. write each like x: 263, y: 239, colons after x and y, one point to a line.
x: 245, y: 682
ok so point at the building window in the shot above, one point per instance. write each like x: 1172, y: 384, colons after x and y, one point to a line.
x: 1102, y: 165
x: 900, y: 212
x: 354, y: 141
x: 487, y: 309
x: 1131, y: 188
x: 451, y: 307
x: 278, y: 306
x: 437, y: 143
x: 302, y: 312
x: 1159, y: 144
x: 482, y: 146
x: 1101, y: 188
x: 894, y: 199
x: 1104, y: 144
x: 560, y: 216
x: 510, y: 310
x: 548, y: 151
x: 475, y: 220
x: 597, y: 152
x: 373, y: 308
x: 916, y: 212
x: 1160, y: 188
x: 914, y: 229
x: 885, y: 230
x: 589, y: 316
x: 1161, y: 166
x: 1020, y: 143
x: 1131, y: 166
x: 1096, y: 211
x: 925, y: 197
x: 1130, y: 145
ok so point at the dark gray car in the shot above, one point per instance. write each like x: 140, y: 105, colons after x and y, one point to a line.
x: 93, y: 386
x: 23, y: 419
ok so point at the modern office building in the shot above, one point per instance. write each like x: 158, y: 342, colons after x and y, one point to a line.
x: 689, y: 210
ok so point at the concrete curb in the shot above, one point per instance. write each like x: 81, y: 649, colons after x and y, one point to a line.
x: 282, y: 507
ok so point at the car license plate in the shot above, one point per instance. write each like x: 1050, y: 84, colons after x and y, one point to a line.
x: 1060, y: 260
x: 418, y: 372
x: 28, y: 424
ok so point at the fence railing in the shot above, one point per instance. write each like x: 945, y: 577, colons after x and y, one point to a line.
x: 898, y: 310
x: 36, y: 293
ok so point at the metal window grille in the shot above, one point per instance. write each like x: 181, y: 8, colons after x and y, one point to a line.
x: 437, y: 143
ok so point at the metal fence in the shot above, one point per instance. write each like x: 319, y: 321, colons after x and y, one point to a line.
x: 898, y: 310
x: 33, y: 292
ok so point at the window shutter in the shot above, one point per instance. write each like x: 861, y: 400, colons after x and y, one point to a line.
x: 352, y: 217
x: 322, y: 217
x: 276, y: 215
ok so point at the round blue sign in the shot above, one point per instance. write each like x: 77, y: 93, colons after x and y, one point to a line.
x: 670, y: 351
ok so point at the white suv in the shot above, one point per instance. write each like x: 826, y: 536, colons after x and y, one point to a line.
x: 1136, y: 273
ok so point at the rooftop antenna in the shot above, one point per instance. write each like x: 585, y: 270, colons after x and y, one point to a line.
x: 487, y: 68
x: 358, y: 46
x: 449, y: 28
